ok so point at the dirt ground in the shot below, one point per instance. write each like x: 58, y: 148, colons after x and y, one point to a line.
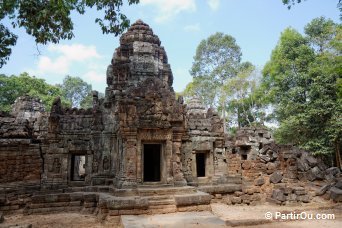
x: 220, y: 213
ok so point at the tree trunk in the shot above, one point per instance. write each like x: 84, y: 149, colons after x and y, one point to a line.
x: 224, y: 117
x: 338, y: 154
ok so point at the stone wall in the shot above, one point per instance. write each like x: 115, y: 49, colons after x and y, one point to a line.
x: 20, y: 134
x: 20, y: 160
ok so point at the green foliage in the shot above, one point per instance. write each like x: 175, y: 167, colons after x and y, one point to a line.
x: 50, y: 21
x: 7, y: 39
x: 15, y: 86
x: 220, y: 80
x: 217, y: 59
x: 290, y: 3
x: 303, y: 85
x: 320, y: 32
x: 77, y: 92
x: 244, y: 105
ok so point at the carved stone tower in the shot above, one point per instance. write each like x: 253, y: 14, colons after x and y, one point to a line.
x: 149, y: 121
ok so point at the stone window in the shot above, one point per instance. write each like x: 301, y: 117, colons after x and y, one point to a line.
x: 244, y: 150
x: 77, y: 170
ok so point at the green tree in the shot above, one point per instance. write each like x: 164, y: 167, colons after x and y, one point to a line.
x: 302, y: 85
x: 320, y: 32
x: 217, y: 59
x: 245, y: 104
x: 50, y: 21
x: 13, y: 87
x: 77, y: 92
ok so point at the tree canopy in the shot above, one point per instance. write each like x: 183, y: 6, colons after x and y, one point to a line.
x: 77, y: 92
x: 221, y: 80
x: 13, y: 87
x: 50, y: 21
x: 302, y: 82
x: 74, y: 92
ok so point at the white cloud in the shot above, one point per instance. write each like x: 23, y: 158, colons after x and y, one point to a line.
x: 192, y: 28
x: 47, y: 65
x: 75, y: 52
x: 214, y: 4
x: 67, y: 55
x: 95, y: 76
x: 169, y: 8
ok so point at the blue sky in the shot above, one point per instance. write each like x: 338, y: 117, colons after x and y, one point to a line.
x: 180, y: 25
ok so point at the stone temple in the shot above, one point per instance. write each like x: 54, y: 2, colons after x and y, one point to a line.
x: 142, y: 150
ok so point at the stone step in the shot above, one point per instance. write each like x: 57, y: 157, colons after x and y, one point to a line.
x: 162, y: 197
x: 161, y: 202
x: 166, y: 191
x: 162, y: 209
x: 219, y: 189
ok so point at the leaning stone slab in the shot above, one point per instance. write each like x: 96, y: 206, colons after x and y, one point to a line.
x: 323, y: 190
x: 336, y: 194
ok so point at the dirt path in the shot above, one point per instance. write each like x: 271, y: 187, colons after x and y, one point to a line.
x: 220, y: 213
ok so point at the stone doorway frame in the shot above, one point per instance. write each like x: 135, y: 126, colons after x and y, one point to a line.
x: 162, y: 162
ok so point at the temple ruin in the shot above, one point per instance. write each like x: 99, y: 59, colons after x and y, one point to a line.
x: 141, y: 150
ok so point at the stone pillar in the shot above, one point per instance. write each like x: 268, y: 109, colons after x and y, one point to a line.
x: 178, y: 176
x: 128, y: 177
x: 177, y: 170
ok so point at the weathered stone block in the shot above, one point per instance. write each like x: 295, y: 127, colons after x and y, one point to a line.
x: 276, y: 177
x: 334, y: 171
x: 336, y: 194
x: 236, y: 200
x: 303, y: 198
x: 323, y: 190
x: 299, y: 190
x: 311, y: 161
x: 278, y: 195
x: 260, y: 181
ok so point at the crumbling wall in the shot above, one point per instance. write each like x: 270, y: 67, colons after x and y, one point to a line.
x: 276, y: 173
x: 20, y: 135
x: 205, y: 137
x: 20, y: 160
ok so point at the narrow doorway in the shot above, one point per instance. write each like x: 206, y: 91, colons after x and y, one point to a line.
x: 200, y: 164
x: 78, y: 167
x: 152, y: 162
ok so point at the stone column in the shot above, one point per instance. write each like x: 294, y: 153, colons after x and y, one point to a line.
x: 177, y: 170
x: 128, y: 177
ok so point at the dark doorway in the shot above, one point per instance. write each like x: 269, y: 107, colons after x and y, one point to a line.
x: 152, y: 162
x: 77, y: 167
x: 200, y: 164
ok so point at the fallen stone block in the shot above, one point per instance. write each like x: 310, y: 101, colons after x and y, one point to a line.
x: 334, y: 171
x: 278, y: 195
x: 302, y: 165
x: 338, y: 184
x: 299, y: 190
x: 323, y: 190
x: 303, y: 198
x: 260, y: 181
x: 276, y: 177
x: 311, y: 161
x: 336, y: 194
